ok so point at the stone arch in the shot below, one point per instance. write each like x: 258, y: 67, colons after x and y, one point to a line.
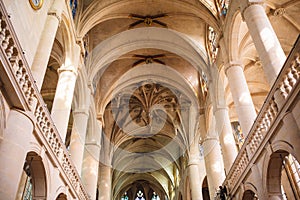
x: 61, y: 196
x: 286, y: 146
x: 180, y: 196
x: 35, y: 173
x: 68, y: 38
x: 273, y: 165
x: 249, y: 195
x: 145, y: 72
x: 100, y: 12
x: 233, y: 44
x: 205, y: 190
x: 110, y: 49
x: 62, y: 192
x: 81, y: 98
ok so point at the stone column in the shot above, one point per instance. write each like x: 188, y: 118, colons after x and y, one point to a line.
x: 228, y: 145
x: 13, y: 150
x: 241, y: 96
x: 90, y: 168
x: 264, y: 38
x: 64, y: 94
x: 213, y: 164
x: 44, y: 48
x: 105, y: 182
x: 90, y: 165
x: 80, y: 120
x: 195, y: 179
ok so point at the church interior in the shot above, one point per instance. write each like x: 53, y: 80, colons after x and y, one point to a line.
x: 149, y: 99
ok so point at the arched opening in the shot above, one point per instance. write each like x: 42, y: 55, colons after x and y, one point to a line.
x: 61, y: 196
x: 290, y: 179
x: 180, y: 196
x: 283, y: 176
x: 33, y: 184
x: 249, y: 195
x: 205, y: 190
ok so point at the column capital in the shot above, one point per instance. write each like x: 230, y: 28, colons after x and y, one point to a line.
x: 232, y: 64
x: 84, y: 111
x: 246, y: 4
x: 67, y: 69
x: 210, y: 138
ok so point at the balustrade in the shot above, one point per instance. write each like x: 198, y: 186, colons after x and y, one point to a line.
x: 287, y: 81
x: 19, y: 72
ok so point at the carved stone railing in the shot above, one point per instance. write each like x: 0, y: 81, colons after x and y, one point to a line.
x: 23, y: 93
x: 262, y: 129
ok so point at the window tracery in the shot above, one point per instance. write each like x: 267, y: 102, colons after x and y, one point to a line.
x: 238, y: 134
x: 212, y: 44
x: 27, y: 192
x: 155, y: 196
x: 203, y: 85
x: 73, y: 6
x: 140, y: 195
x: 223, y: 7
x: 125, y: 197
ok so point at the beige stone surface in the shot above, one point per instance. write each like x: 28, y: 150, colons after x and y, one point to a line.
x: 137, y: 96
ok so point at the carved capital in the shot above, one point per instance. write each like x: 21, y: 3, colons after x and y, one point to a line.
x: 62, y: 70
x: 279, y: 12
x: 81, y: 111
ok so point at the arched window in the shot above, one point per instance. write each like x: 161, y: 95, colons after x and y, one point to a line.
x: 290, y: 177
x: 155, y: 196
x: 125, y: 197
x: 205, y: 190
x: 140, y: 196
x: 62, y: 196
x: 27, y: 193
x: 73, y: 6
x: 212, y: 44
x: 33, y: 181
x: 238, y: 134
x: 223, y: 7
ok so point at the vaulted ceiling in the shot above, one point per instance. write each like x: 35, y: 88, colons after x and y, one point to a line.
x: 148, y: 62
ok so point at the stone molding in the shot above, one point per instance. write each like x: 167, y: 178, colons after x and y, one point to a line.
x: 30, y: 101
x: 287, y: 83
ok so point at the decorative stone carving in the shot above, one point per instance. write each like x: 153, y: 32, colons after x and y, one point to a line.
x: 279, y: 12
x: 45, y: 128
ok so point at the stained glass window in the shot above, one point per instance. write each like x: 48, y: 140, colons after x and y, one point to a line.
x: 155, y: 196
x: 212, y: 44
x: 73, y: 6
x: 223, y: 7
x: 124, y: 197
x: 238, y: 134
x: 27, y: 193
